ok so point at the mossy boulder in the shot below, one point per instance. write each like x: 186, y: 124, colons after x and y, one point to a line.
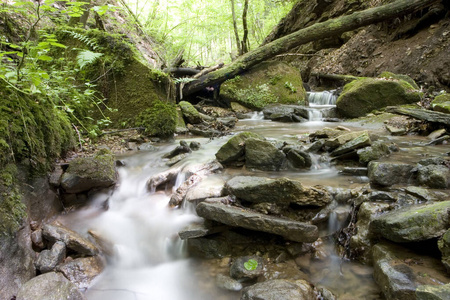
x: 263, y: 155
x: 441, y: 103
x: 190, y: 113
x: 365, y: 95
x: 159, y: 120
x: 86, y: 173
x: 444, y: 247
x: 232, y: 152
x: 266, y: 83
x: 414, y: 223
x: 390, y: 75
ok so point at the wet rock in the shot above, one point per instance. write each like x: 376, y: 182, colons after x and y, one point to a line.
x: 328, y: 133
x: 207, y: 248
x: 433, y: 292
x: 444, y: 247
x: 183, y: 148
x: 37, y: 240
x: 437, y: 134
x: 389, y: 173
x: 200, y: 229
x: 176, y: 159
x: 232, y: 152
x: 326, y: 294
x: 279, y: 289
x: 190, y: 114
x: 441, y: 103
x: 360, y: 141
x: 414, y: 223
x: 399, y: 272
x: 194, y: 145
x: 82, y: 271
x: 238, y: 108
x: 354, y: 171
x: 284, y: 113
x: 361, y: 243
x: 49, y: 286
x: 86, y: 173
x: 205, y: 189
x: 239, y: 217
x: 263, y: 155
x: 147, y: 147
x: 55, y: 177
x: 342, y: 139
x: 365, y: 95
x: 228, y: 283
x: 434, y: 176
x: 165, y: 178
x: 73, y: 240
x: 281, y: 191
x: 377, y: 150
x: 423, y: 194
x: 229, y: 122
x: 393, y: 130
x: 204, y: 130
x: 49, y: 259
x: 298, y: 158
x: 242, y: 268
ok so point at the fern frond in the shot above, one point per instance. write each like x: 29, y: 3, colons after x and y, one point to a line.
x: 82, y: 38
x: 86, y: 57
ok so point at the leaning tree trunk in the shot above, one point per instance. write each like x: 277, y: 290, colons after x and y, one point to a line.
x: 236, y: 32
x: 317, y: 31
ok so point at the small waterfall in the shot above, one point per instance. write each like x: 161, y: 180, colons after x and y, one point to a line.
x: 322, y: 98
x: 257, y: 115
x: 315, y: 115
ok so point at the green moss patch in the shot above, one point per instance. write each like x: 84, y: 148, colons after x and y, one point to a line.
x: 441, y: 103
x: 268, y: 82
x: 159, y: 120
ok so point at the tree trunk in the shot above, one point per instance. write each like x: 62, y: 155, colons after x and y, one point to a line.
x: 73, y: 21
x: 236, y: 32
x: 244, y: 48
x: 317, y: 31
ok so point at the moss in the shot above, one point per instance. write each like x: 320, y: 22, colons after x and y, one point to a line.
x: 266, y: 83
x: 190, y: 113
x: 441, y: 103
x: 159, y: 120
x: 390, y: 75
x: 362, y: 96
x: 100, y: 166
x: 12, y: 210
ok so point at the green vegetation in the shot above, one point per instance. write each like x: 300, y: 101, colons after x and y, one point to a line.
x: 251, y: 264
x: 159, y: 120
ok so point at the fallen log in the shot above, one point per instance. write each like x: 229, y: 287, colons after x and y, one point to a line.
x: 335, y: 77
x: 317, y: 31
x: 421, y: 114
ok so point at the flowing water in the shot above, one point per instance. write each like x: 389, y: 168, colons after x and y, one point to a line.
x: 149, y: 261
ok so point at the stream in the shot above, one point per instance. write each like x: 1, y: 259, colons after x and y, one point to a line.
x: 148, y: 259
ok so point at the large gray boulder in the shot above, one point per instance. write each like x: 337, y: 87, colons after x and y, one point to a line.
x: 413, y: 223
x: 49, y: 286
x: 444, y: 247
x: 279, y: 289
x: 82, y: 271
x: 375, y: 151
x: 86, y: 173
x: 297, y: 157
x: 362, y: 96
x: 232, y: 152
x: 285, y: 113
x: 73, y: 240
x: 389, y: 173
x: 245, y: 218
x: 433, y: 292
x: 434, y: 176
x: 399, y: 272
x: 263, y: 155
x: 281, y: 191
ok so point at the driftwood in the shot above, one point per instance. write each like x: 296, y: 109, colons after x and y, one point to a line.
x: 422, y: 114
x: 317, y: 31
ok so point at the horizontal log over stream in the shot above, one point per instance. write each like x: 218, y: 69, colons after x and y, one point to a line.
x: 317, y: 31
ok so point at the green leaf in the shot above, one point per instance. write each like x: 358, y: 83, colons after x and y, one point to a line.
x: 45, y: 58
x: 251, y: 265
x: 58, y: 45
x: 86, y: 57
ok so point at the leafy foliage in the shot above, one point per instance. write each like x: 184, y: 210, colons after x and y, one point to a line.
x: 251, y: 265
x: 86, y: 57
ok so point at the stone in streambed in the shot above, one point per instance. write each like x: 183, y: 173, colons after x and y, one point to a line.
x: 49, y: 286
x: 240, y: 217
x: 281, y: 191
x: 400, y: 272
x: 228, y: 283
x: 263, y: 155
x: 279, y: 289
x: 73, y: 240
x: 433, y: 292
x: 363, y: 140
x: 239, y: 270
x: 390, y: 173
x: 343, y: 138
x: 414, y: 223
x: 232, y: 152
x: 444, y: 247
x: 82, y: 271
x: 49, y: 259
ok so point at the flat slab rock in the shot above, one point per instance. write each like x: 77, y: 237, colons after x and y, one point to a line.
x: 413, y: 223
x: 401, y: 273
x: 240, y: 217
x: 279, y: 289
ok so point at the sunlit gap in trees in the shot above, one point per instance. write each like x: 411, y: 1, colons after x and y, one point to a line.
x: 204, y: 29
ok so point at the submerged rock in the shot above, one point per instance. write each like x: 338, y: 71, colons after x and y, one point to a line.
x: 245, y: 218
x: 228, y: 283
x: 361, y: 96
x: 414, y: 223
x: 49, y: 286
x: 86, y: 173
x: 399, y: 271
x: 279, y: 289
x: 281, y: 191
x: 73, y: 240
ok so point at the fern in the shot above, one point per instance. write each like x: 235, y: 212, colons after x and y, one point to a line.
x: 81, y: 37
x: 86, y: 57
